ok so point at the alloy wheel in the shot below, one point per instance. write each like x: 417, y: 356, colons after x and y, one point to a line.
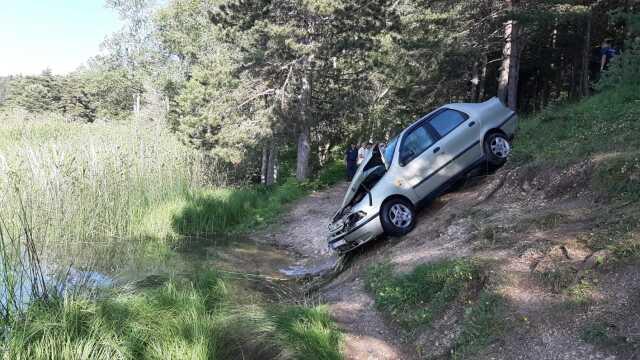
x: 500, y: 147
x: 400, y: 216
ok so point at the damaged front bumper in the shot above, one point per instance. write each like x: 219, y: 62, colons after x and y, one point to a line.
x: 346, y: 234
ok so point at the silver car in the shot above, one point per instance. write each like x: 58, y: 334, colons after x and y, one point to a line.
x: 418, y: 165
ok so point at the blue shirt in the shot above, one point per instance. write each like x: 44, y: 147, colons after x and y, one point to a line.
x: 608, y: 52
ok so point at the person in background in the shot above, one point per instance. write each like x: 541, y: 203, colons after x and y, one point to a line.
x: 361, y: 152
x: 351, y: 159
x: 382, y: 146
x: 606, y: 54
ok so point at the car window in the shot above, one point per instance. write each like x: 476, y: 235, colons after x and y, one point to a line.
x: 447, y: 120
x: 389, y: 150
x: 414, y: 143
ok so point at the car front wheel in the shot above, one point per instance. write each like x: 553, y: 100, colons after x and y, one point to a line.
x: 497, y: 149
x: 398, y: 217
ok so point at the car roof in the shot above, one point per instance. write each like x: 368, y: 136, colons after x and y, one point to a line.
x: 469, y: 108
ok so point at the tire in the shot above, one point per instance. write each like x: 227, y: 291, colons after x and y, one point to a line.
x: 497, y: 149
x: 398, y: 217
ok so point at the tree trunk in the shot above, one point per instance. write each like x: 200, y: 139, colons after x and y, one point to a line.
x: 475, y: 81
x: 136, y: 104
x: 271, y: 164
x: 265, y: 164
x: 509, y: 72
x: 324, y: 152
x: 304, y: 148
x: 302, y: 164
x: 483, y: 76
x: 503, y: 78
x: 514, y: 65
x: 586, y: 57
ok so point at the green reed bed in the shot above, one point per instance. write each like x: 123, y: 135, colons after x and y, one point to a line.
x: 102, y: 196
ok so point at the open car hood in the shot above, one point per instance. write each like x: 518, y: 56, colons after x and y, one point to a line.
x: 371, y: 164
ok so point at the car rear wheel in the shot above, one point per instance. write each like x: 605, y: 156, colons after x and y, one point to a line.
x: 497, y: 149
x: 398, y: 217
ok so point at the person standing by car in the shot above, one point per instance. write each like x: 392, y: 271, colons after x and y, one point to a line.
x: 351, y: 159
x: 361, y: 152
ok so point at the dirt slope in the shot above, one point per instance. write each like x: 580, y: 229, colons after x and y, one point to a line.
x: 531, y: 226
x: 303, y: 229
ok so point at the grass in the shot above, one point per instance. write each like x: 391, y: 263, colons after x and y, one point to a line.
x: 616, y: 231
x: 491, y: 236
x: 618, y: 178
x: 581, y: 293
x: 602, y: 124
x: 603, y: 128
x: 482, y: 325
x: 543, y: 222
x: 191, y: 318
x: 417, y: 298
x: 595, y: 333
x: 556, y: 280
x: 309, y: 332
x: 606, y: 335
x: 224, y: 211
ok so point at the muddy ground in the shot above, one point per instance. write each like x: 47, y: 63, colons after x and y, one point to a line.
x: 530, y: 226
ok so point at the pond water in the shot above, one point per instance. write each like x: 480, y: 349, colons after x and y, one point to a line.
x: 139, y: 264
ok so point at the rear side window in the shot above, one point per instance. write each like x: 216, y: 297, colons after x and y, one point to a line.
x: 414, y: 144
x: 447, y: 120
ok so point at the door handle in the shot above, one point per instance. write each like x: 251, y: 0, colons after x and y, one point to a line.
x: 472, y: 123
x: 436, y: 150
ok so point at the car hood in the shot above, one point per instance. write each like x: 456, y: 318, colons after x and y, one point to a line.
x: 369, y: 163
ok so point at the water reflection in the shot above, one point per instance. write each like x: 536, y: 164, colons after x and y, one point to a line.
x: 138, y: 263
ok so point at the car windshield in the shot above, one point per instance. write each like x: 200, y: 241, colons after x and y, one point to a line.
x: 389, y: 150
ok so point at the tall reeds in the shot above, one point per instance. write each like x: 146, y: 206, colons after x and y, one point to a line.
x: 82, y: 195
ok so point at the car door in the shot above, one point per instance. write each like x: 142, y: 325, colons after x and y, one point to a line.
x: 418, y: 156
x: 459, y: 142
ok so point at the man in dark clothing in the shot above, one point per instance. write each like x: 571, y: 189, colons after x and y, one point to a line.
x: 352, y: 161
x: 606, y: 54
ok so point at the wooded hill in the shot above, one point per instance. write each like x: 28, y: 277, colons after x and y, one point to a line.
x: 259, y: 83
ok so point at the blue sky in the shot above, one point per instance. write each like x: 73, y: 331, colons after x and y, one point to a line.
x: 56, y: 34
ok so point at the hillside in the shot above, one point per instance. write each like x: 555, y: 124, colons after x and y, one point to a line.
x: 539, y: 260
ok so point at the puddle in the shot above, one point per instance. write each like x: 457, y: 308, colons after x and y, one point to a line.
x: 19, y: 288
x: 256, y: 258
x: 311, y: 267
x: 240, y: 256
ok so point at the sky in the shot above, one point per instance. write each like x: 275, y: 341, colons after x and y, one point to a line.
x: 56, y: 34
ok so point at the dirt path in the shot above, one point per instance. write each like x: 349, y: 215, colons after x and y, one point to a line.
x: 303, y: 229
